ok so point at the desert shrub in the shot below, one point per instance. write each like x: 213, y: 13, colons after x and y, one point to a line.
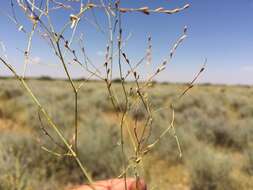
x: 165, y: 83
x: 13, y: 110
x: 240, y: 103
x: 10, y: 94
x: 187, y: 103
x: 222, y: 132
x: 246, y: 111
x: 168, y: 148
x: 117, y: 80
x: 237, y: 136
x: 47, y: 78
x: 210, y: 170
x: 12, y: 173
x: 202, y: 129
x: 99, y: 140
x: 103, y: 104
x: 248, y: 166
x: 23, y: 158
x: 99, y: 99
x: 226, y: 136
x: 23, y: 165
x: 236, y: 102
x: 192, y: 114
x: 138, y: 112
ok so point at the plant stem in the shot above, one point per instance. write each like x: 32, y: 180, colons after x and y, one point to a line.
x: 50, y: 122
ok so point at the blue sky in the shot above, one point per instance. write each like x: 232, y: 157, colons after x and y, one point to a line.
x: 219, y: 30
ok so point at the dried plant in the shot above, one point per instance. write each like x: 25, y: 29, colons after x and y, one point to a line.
x: 135, y: 94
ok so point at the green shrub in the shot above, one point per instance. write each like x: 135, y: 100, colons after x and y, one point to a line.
x: 98, y: 142
x: 221, y: 132
x: 167, y: 149
x: 25, y: 166
x: 138, y: 113
x: 210, y: 170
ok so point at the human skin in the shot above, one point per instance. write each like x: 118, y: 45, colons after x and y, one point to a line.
x: 115, y: 184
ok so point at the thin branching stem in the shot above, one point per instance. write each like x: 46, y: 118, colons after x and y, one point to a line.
x: 49, y: 120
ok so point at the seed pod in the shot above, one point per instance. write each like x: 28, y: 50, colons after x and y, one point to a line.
x: 90, y: 5
x: 20, y: 28
x: 74, y: 19
x: 123, y: 10
x: 66, y: 44
x: 185, y: 29
x: 145, y: 10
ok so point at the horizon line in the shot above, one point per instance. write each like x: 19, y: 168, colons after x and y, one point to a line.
x: 117, y: 80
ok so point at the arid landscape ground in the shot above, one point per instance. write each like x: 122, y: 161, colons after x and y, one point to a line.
x: 214, y: 124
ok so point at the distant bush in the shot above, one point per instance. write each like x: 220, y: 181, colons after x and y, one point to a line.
x: 168, y: 149
x: 248, y: 167
x: 48, y: 78
x: 210, y: 171
x: 164, y: 83
x: 24, y: 166
x: 230, y: 136
x: 10, y: 93
x: 221, y: 132
x: 116, y: 80
x: 97, y: 139
x: 246, y: 111
x: 138, y: 113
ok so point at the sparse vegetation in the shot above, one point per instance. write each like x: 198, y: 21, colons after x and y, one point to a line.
x: 212, y: 146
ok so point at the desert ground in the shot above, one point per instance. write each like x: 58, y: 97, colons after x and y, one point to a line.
x: 214, y: 125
